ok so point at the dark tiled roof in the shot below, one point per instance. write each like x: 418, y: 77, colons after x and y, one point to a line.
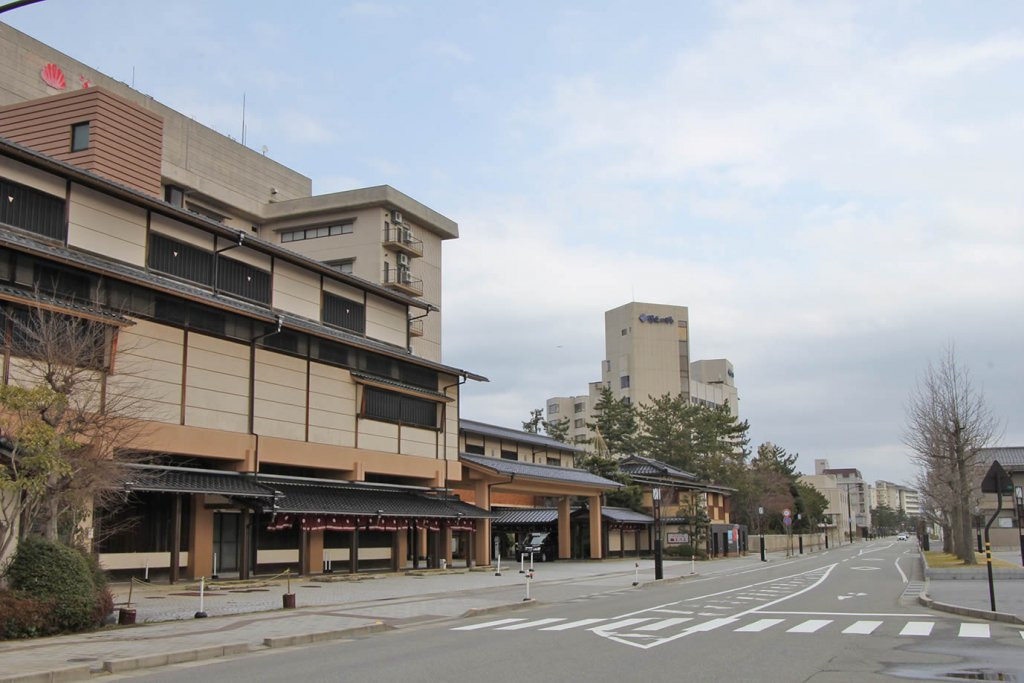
x: 33, y: 297
x: 509, y: 434
x: 123, y: 271
x: 1010, y: 457
x: 323, y: 498
x: 188, y: 480
x: 565, y: 475
x: 626, y: 516
x: 638, y: 465
x: 512, y: 516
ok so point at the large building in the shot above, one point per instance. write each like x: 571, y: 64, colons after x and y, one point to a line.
x: 647, y: 354
x: 897, y: 497
x: 294, y: 407
x: 858, y: 495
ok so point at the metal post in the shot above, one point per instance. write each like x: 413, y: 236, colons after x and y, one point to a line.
x: 658, y: 569
x: 760, y: 528
x: 988, y: 549
x: 1018, y: 495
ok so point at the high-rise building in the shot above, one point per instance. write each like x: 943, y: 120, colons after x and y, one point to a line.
x: 647, y: 354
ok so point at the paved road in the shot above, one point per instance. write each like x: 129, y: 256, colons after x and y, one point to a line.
x: 841, y: 616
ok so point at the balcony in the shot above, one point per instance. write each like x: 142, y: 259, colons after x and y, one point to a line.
x: 402, y: 280
x: 416, y: 328
x: 400, y: 238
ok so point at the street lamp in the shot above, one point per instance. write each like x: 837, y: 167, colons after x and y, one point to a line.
x: 760, y: 527
x: 656, y: 495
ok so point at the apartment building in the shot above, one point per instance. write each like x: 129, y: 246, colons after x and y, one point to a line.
x: 858, y: 493
x: 839, y: 508
x: 896, y: 497
x: 647, y: 353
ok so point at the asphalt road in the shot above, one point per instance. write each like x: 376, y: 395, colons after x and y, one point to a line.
x: 836, y: 616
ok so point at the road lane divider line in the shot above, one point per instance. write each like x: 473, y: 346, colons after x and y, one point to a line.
x: 616, y: 625
x: 900, y: 570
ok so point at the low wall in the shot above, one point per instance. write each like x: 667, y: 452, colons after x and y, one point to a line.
x: 778, y: 543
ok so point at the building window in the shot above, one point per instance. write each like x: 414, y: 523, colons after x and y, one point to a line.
x: 552, y: 409
x: 175, y: 196
x: 32, y: 210
x: 578, y: 424
x: 344, y: 313
x: 579, y: 407
x: 557, y: 462
x: 80, y: 136
x: 623, y: 331
x: 475, y: 448
x: 243, y: 280
x: 180, y: 259
x: 624, y: 382
x: 346, y: 266
x: 319, y: 231
x: 509, y: 455
x: 389, y: 406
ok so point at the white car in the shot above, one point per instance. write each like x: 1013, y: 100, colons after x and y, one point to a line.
x: 901, y: 537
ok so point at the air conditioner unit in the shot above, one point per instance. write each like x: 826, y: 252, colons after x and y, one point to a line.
x: 396, y: 216
x: 403, y: 260
x: 404, y: 276
x: 407, y: 235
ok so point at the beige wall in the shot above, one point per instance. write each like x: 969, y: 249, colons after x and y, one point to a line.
x: 648, y: 352
x: 106, y: 226
x: 494, y: 447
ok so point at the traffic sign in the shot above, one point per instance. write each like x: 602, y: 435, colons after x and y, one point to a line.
x: 787, y: 521
x: 786, y: 513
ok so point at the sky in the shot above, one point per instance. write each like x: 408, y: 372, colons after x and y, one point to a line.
x: 834, y: 189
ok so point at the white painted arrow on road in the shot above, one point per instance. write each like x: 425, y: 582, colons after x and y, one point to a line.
x: 851, y: 595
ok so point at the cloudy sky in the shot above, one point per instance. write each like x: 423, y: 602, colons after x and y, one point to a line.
x: 836, y: 190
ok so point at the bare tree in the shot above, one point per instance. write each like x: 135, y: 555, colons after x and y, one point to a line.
x: 948, y: 423
x: 63, y: 435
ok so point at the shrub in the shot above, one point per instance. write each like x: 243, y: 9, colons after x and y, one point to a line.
x: 684, y: 550
x: 22, y: 617
x: 60, y: 576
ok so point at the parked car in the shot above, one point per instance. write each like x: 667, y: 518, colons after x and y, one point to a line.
x: 901, y: 537
x: 543, y: 545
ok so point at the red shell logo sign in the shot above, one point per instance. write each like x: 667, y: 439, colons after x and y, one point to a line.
x: 54, y: 77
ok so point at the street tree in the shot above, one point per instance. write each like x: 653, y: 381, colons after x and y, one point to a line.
x: 614, y: 424
x: 948, y: 423
x: 64, y: 435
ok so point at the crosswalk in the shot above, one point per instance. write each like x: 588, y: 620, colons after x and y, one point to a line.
x: 640, y: 627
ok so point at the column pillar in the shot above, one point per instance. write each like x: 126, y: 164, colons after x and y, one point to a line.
x: 200, y: 539
x: 482, y: 537
x: 314, y: 555
x: 595, y: 527
x: 399, y: 549
x: 564, y: 529
x: 446, y: 543
x: 175, y: 538
x: 353, y: 552
x: 422, y: 549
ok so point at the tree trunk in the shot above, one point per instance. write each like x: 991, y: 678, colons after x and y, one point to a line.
x: 947, y: 538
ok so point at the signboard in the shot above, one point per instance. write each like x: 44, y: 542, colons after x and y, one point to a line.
x: 677, y: 539
x: 787, y: 513
x: 650, y: 318
x: 788, y: 521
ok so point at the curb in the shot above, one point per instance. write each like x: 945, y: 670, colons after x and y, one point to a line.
x: 662, y: 582
x: 478, y: 611
x: 71, y: 673
x: 322, y: 636
x: 192, y: 655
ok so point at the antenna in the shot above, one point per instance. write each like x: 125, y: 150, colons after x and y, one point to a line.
x: 243, y: 118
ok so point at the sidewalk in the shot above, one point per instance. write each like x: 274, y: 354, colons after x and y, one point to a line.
x: 970, y: 597
x: 250, y: 618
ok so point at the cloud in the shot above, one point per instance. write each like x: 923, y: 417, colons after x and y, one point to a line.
x: 448, y: 50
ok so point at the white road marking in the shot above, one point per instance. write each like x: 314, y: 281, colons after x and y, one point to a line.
x: 711, y: 625
x: 674, y: 611
x: 904, y: 576
x: 615, y: 625
x: 664, y: 623
x: 573, y: 624
x: 759, y: 625
x: 486, y: 624
x: 866, y: 569
x: 529, y: 624
x: 810, y: 626
x: 862, y: 628
x: 918, y: 628
x: 974, y: 630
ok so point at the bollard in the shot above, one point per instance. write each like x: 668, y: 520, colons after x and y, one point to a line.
x: 522, y: 563
x: 201, y: 614
x: 636, y: 574
x: 214, y: 575
x: 145, y: 573
x: 531, y: 560
x: 529, y: 578
x: 327, y: 562
x: 498, y: 573
x: 288, y: 599
x: 801, y: 545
